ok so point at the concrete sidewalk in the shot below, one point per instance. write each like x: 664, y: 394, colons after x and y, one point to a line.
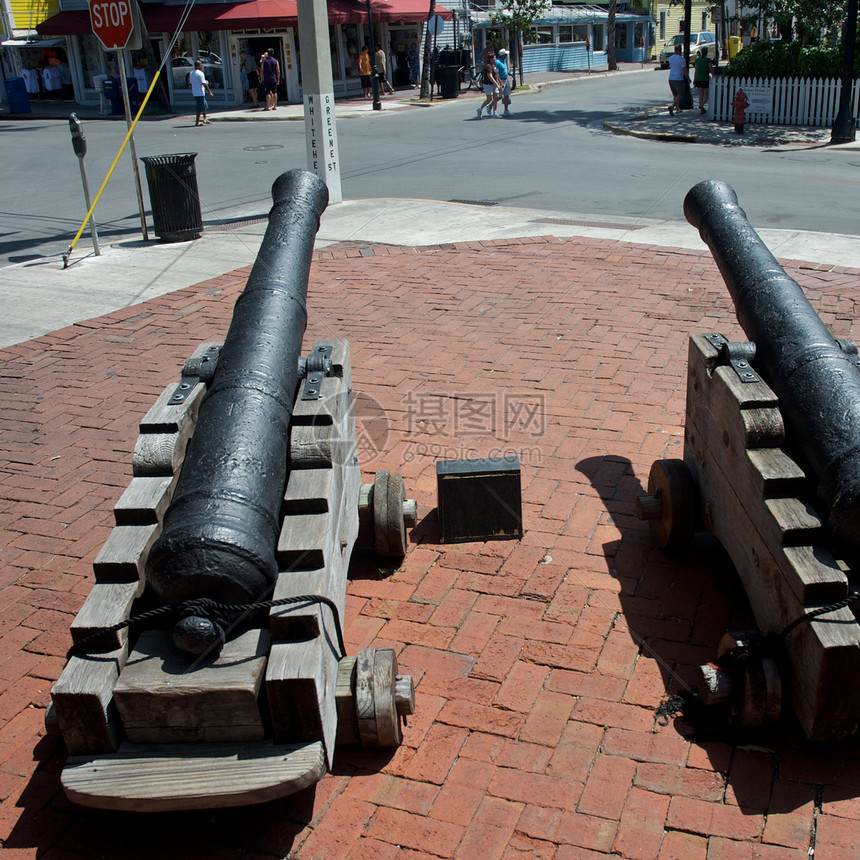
x: 540, y: 664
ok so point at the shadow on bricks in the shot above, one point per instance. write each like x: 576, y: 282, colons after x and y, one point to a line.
x: 676, y: 607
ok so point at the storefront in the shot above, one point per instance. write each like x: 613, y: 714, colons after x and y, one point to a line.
x: 216, y: 33
x: 574, y: 38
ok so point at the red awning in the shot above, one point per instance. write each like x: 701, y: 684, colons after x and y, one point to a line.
x: 250, y: 15
x: 382, y: 11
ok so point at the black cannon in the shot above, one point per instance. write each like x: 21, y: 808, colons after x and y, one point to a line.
x: 208, y: 667
x: 815, y: 376
x: 221, y: 528
x: 772, y: 468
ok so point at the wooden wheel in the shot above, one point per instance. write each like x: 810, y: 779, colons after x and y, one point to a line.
x: 375, y: 701
x: 389, y: 526
x: 671, y: 504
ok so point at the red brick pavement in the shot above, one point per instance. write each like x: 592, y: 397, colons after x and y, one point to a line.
x: 539, y: 664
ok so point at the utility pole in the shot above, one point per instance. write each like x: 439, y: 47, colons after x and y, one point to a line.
x: 843, y: 130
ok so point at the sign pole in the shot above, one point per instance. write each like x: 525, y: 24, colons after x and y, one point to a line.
x: 115, y: 23
x: 318, y: 96
x: 131, y: 147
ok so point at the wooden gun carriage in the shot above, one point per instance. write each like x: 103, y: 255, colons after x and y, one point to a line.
x: 237, y: 528
x: 772, y: 468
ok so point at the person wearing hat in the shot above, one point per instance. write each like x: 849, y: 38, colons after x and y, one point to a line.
x: 504, y: 80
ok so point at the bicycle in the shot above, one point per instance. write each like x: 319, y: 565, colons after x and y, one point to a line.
x: 471, y: 76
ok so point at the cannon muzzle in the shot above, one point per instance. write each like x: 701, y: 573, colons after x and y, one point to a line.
x: 221, y: 529
x: 817, y: 383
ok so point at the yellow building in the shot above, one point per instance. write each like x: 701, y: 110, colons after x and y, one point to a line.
x: 669, y: 21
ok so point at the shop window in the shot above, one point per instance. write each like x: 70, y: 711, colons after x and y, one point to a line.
x: 580, y: 33
x: 541, y: 35
x: 639, y: 35
x: 621, y: 38
x: 352, y: 36
x: 91, y: 59
x: 209, y: 53
x: 565, y: 33
x: 599, y: 37
x: 333, y: 52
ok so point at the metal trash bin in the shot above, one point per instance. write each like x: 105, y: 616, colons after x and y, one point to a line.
x: 448, y: 78
x: 172, y: 181
x: 16, y: 93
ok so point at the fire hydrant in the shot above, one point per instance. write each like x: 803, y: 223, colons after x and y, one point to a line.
x: 740, y: 103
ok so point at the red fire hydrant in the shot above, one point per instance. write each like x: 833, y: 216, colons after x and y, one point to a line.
x: 740, y: 103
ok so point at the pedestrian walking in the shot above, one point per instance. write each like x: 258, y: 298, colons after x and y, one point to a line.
x: 381, y: 71
x: 199, y: 88
x: 504, y: 81
x: 677, y: 79
x: 490, y: 82
x: 701, y: 78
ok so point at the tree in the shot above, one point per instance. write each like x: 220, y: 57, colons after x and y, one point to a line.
x: 810, y: 21
x: 517, y: 17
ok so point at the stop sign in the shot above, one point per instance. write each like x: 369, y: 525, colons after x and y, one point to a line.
x: 112, y: 22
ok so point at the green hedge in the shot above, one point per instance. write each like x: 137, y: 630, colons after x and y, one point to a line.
x: 788, y: 60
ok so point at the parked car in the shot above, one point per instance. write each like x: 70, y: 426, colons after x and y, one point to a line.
x: 697, y: 40
x: 182, y: 67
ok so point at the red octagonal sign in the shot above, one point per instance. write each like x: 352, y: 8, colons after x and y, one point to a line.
x: 112, y: 22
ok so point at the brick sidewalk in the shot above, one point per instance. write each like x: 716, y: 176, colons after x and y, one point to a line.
x: 539, y: 663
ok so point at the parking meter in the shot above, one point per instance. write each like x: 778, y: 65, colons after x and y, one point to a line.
x: 79, y: 142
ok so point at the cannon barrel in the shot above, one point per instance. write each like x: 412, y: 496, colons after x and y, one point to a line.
x: 817, y: 383
x: 220, y: 531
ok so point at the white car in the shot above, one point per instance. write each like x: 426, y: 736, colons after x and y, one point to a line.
x: 702, y: 39
x: 183, y: 66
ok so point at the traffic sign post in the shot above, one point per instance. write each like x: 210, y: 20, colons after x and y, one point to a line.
x: 435, y: 26
x: 114, y: 24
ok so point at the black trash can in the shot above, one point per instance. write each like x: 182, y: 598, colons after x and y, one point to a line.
x: 448, y: 78
x: 172, y: 181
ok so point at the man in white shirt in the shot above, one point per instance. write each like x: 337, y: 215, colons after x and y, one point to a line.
x: 199, y: 88
x: 677, y: 79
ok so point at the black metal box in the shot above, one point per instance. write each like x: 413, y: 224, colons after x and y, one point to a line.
x: 479, y: 499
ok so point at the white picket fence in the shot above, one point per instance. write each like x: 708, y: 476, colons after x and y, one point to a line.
x: 781, y: 101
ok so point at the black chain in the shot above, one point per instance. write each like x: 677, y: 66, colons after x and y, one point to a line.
x: 206, y: 608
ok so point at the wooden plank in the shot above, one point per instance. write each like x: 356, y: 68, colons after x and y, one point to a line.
x: 297, y: 621
x: 300, y: 686
x: 144, y: 501
x: 308, y: 491
x: 302, y: 541
x: 165, y: 417
x: 165, y: 696
x: 778, y: 473
x: 795, y: 522
x: 159, y: 453
x: 107, y: 604
x: 365, y: 710
x: 311, y: 446
x: 163, y: 778
x: 122, y: 558
x: 83, y: 697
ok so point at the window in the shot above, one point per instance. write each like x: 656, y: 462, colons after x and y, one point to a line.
x: 599, y: 37
x: 662, y: 26
x: 580, y: 33
x: 639, y: 35
x: 621, y: 38
x: 541, y: 35
x: 565, y: 33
